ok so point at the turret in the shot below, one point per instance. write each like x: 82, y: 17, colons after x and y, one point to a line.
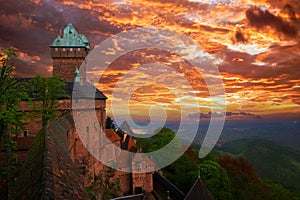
x: 68, y: 50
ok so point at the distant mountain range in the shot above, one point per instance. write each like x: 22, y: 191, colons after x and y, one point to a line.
x: 282, y: 132
x: 272, y: 161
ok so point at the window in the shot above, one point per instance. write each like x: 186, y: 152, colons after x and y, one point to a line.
x: 64, y: 49
x: 71, y: 49
x: 78, y: 49
x: 56, y: 49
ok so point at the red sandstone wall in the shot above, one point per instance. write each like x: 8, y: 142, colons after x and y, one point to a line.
x: 65, y: 67
x: 125, y: 182
x: 143, y: 180
x: 148, y: 183
x: 34, y: 122
x: 22, y: 146
x: 86, y: 163
x: 65, y: 61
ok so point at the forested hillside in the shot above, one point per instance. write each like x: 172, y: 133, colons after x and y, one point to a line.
x: 278, y: 163
x: 227, y: 174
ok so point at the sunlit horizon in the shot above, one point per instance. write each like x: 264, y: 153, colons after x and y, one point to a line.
x: 254, y: 43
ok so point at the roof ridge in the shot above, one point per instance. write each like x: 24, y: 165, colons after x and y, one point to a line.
x: 69, y: 37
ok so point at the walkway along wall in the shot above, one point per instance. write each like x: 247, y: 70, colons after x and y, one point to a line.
x: 58, y: 166
x: 48, y: 172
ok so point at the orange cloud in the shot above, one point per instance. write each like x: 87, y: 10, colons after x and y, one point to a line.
x: 258, y: 59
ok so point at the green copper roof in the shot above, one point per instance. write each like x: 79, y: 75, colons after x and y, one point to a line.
x: 70, y: 38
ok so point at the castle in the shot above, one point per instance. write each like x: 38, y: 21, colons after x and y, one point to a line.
x: 68, y: 51
x: 64, y: 154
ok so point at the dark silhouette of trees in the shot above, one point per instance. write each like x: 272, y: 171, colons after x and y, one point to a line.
x: 109, y: 123
x: 11, y: 116
x: 245, y: 182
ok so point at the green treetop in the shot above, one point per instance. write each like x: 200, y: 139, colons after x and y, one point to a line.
x: 46, y: 93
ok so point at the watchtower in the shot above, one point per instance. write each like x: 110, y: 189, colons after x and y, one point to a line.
x: 68, y: 51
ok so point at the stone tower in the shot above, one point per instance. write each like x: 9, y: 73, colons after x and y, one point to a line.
x: 68, y: 51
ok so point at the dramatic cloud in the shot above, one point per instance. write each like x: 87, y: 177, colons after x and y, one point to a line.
x: 256, y: 48
x: 290, y: 11
x: 261, y: 18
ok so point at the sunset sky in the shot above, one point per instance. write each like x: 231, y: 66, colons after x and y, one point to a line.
x: 254, y: 43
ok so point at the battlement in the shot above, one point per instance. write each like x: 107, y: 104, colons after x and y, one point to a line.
x: 68, y: 52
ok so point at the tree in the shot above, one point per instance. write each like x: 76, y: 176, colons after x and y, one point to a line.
x: 11, y: 116
x: 156, y: 142
x: 277, y: 191
x: 245, y: 182
x: 216, y: 179
x: 183, y: 172
x: 11, y: 93
x: 109, y: 123
x: 46, y: 93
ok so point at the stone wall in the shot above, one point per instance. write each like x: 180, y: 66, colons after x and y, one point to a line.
x: 65, y: 67
x: 64, y: 106
x: 65, y: 61
x: 65, y: 167
x: 23, y: 144
x: 48, y: 172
